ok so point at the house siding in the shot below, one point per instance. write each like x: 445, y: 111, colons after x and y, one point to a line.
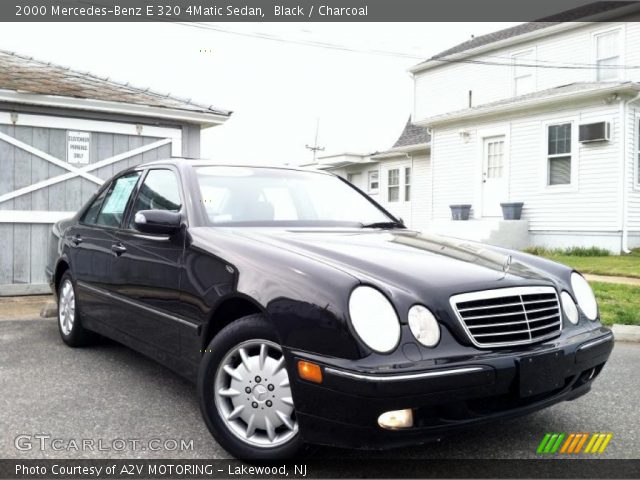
x: 421, y: 192
x: 445, y: 88
x: 633, y: 186
x: 592, y: 205
x: 416, y: 212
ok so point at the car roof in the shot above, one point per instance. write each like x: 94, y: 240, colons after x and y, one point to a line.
x: 179, y: 162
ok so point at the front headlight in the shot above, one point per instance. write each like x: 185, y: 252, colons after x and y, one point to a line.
x: 424, y: 326
x: 374, y: 319
x: 569, y: 307
x: 584, y: 296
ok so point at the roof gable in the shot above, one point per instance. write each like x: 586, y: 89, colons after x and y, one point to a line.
x: 573, y: 15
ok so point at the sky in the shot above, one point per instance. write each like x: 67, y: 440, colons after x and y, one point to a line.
x: 278, y: 90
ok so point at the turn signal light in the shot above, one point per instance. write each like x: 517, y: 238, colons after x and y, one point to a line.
x: 309, y: 371
x: 396, y: 419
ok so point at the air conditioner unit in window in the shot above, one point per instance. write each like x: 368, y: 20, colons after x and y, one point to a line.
x: 595, y: 132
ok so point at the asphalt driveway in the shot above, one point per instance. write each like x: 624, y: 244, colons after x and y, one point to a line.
x: 131, y: 407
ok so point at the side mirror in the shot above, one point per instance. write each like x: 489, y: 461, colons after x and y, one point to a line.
x: 157, y: 221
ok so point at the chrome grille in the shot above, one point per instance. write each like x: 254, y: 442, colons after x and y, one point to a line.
x: 509, y: 316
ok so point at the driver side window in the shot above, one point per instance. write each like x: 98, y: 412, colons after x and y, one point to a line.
x: 159, y: 191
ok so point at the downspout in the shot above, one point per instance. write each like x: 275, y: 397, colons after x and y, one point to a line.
x: 624, y: 241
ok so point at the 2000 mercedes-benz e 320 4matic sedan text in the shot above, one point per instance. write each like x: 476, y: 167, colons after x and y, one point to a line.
x: 309, y: 314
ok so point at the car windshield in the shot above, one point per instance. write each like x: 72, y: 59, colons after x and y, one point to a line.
x: 244, y: 196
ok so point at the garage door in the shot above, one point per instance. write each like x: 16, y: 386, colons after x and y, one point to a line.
x: 42, y: 181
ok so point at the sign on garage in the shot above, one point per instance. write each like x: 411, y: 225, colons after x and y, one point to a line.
x: 78, y: 147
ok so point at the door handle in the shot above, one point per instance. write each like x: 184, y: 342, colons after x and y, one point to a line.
x: 118, y: 249
x: 76, y: 240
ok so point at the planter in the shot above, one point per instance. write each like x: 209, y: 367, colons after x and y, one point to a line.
x: 460, y: 212
x: 512, y: 211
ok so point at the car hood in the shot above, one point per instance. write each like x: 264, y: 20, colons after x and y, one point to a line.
x: 406, y: 259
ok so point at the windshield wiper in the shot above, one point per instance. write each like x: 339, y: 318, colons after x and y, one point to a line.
x: 391, y: 224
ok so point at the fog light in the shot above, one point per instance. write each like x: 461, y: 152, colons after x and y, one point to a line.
x: 396, y: 419
x: 310, y: 371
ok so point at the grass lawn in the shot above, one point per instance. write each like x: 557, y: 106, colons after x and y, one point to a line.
x: 618, y: 303
x: 616, y: 265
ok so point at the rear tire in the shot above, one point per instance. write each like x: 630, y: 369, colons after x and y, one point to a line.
x: 244, y: 393
x: 69, y: 322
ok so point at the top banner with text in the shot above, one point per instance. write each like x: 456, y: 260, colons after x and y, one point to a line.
x: 310, y: 10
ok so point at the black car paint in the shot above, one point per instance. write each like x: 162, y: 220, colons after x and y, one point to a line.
x: 160, y: 295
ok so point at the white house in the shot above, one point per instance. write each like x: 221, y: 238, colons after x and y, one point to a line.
x: 399, y: 178
x: 542, y: 113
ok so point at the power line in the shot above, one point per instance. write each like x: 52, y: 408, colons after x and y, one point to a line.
x: 538, y: 63
x: 310, y: 43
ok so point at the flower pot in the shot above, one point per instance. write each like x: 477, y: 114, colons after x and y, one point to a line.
x: 460, y: 212
x: 512, y: 211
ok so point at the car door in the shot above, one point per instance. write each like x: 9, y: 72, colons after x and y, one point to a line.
x: 146, y: 271
x: 90, y: 250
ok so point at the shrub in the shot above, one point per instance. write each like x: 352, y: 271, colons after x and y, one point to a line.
x: 587, y: 252
x: 539, y: 251
x: 570, y: 251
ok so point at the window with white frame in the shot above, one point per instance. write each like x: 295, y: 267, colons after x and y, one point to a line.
x: 393, y: 185
x: 374, y: 181
x: 559, y: 154
x: 407, y: 184
x: 523, y: 72
x: 608, y: 55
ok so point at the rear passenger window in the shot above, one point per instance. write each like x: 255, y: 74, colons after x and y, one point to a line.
x: 115, y: 203
x: 159, y: 191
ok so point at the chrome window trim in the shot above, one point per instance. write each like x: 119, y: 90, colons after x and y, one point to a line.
x: 409, y: 376
x: 499, y: 293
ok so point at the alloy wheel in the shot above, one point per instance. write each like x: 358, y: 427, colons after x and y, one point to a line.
x: 67, y: 307
x: 253, y: 395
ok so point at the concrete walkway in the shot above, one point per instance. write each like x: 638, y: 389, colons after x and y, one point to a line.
x: 612, y: 279
x: 18, y: 308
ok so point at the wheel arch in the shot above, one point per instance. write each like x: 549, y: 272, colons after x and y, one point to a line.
x: 228, y: 310
x: 61, y: 267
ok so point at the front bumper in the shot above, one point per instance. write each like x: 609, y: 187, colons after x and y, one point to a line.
x: 344, y: 409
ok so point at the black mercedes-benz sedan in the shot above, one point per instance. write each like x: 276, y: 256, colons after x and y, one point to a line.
x: 308, y: 314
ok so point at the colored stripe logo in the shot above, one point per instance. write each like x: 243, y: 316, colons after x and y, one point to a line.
x: 573, y: 443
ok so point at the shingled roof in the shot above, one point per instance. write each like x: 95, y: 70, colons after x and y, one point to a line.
x: 27, y: 75
x: 576, y: 14
x: 412, y: 135
x: 539, y: 98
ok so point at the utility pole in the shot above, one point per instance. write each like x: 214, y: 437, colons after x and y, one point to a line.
x: 315, y: 148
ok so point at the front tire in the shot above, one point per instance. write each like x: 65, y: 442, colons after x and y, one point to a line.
x: 244, y: 391
x: 69, y: 322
